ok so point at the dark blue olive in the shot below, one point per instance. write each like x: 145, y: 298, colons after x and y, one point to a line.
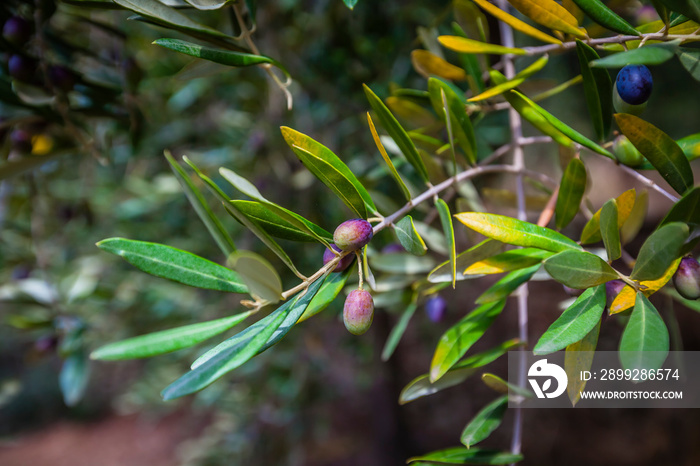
x: 435, y: 308
x: 634, y: 84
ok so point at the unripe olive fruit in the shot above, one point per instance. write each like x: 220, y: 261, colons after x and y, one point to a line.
x: 61, y: 77
x: 353, y: 234
x: 358, y: 311
x: 435, y: 308
x: 623, y: 107
x: 343, y: 264
x: 634, y: 84
x: 17, y: 31
x: 21, y: 68
x: 626, y: 153
x: 687, y: 278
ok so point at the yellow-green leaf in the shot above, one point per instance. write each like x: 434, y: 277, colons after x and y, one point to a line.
x: 550, y: 14
x: 464, y: 45
x: 571, y: 189
x: 515, y: 23
x: 579, y: 358
x: 625, y: 203
x: 427, y: 65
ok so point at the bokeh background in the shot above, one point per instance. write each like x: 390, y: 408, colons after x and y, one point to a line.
x: 322, y: 396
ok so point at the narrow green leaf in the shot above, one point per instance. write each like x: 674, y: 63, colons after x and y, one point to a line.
x: 397, y: 133
x: 648, y: 55
x: 464, y: 45
x: 689, y: 8
x: 486, y: 421
x: 208, y: 4
x: 506, y: 285
x: 166, y: 341
x: 448, y: 229
x: 459, y: 338
x: 196, y: 198
x: 579, y: 269
x: 398, y: 331
x: 402, y: 263
x: 73, y: 378
x: 597, y: 86
x: 517, y: 80
x: 571, y: 189
x: 460, y: 123
x: 610, y: 231
x: 515, y: 23
x: 387, y: 159
x: 238, y: 349
x: 331, y: 287
x: 508, y: 261
x: 276, y: 226
x: 686, y: 210
x: 690, y: 59
x: 258, y: 274
x: 635, y: 220
x: 625, y: 204
x: 499, y: 385
x: 574, y: 323
x: 567, y: 130
x: 223, y: 57
x: 175, y: 264
x: 604, y: 16
x: 578, y: 358
x: 442, y: 273
x: 550, y: 14
x: 409, y: 237
x: 645, y: 342
x: 321, y: 158
x: 662, y: 151
x: 463, y: 455
x: 422, y: 386
x: 516, y: 232
x: 659, y: 250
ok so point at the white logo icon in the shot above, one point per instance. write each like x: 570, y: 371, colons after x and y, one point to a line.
x: 543, y: 369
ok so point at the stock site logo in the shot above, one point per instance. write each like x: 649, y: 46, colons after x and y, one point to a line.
x: 540, y: 370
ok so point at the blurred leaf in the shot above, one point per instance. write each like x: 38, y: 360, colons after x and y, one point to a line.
x: 574, y: 323
x: 462, y: 455
x: 686, y: 209
x: 464, y: 45
x: 397, y: 332
x: 644, y: 343
x: 579, y: 269
x: 571, y: 189
x: 408, y: 110
x: 258, y: 274
x: 175, y: 264
x: 609, y: 230
x: 402, y: 263
x: 481, y: 251
x: 397, y: 133
x: 422, y: 386
x: 275, y: 225
x: 689, y: 8
x: 625, y: 203
x: 625, y: 299
x: 661, y: 10
x: 331, y: 287
x: 166, y: 341
x: 74, y: 378
x: 448, y: 229
x: 350, y: 3
x: 578, y: 358
x: 597, y: 87
x: 331, y: 170
x: 196, y: 198
x: 409, y: 237
x: 460, y: 337
x: 241, y: 347
x: 659, y: 251
x: 287, y: 216
x: 208, y: 4
x: 223, y: 57
x: 690, y: 59
x: 604, y: 16
x: 506, y: 285
x: 648, y: 55
x: 486, y: 421
x: 499, y: 385
x: 517, y: 80
x: 387, y: 160
x: 635, y: 220
x: 567, y: 130
x: 516, y: 232
x: 550, y: 14
x: 507, y: 261
x: 515, y: 23
x: 427, y: 65
x: 16, y: 167
x: 460, y: 122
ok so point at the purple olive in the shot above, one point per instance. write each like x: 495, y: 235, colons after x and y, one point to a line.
x: 358, y: 311
x: 435, y: 308
x: 687, y: 278
x: 21, y: 68
x: 344, y: 263
x: 17, y: 31
x: 353, y: 234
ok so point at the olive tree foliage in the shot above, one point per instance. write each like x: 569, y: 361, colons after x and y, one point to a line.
x: 432, y: 150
